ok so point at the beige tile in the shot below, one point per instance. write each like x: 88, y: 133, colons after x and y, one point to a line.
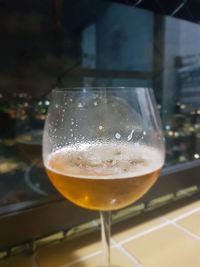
x: 181, y: 210
x: 63, y: 252
x: 192, y: 223
x: 135, y: 225
x: 21, y: 260
x: 166, y: 247
x: 118, y: 259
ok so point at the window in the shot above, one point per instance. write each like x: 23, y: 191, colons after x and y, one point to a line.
x: 90, y: 43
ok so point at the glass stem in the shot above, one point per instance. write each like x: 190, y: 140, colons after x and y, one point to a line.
x: 105, y: 236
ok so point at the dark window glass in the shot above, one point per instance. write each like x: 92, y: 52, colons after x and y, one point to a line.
x: 45, y: 44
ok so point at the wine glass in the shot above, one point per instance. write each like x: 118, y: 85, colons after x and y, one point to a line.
x: 103, y: 148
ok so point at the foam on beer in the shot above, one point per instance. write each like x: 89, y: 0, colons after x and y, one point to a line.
x: 105, y: 161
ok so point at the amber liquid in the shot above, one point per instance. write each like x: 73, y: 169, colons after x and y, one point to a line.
x: 106, y: 177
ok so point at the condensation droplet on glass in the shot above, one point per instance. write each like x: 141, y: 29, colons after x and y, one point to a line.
x: 71, y: 100
x: 117, y: 135
x: 72, y: 122
x: 144, y: 133
x: 83, y: 137
x: 100, y: 127
x: 75, y: 138
x: 95, y: 103
x: 56, y: 105
x: 80, y: 105
x: 72, y: 135
x: 65, y: 137
x: 70, y: 130
x: 130, y: 135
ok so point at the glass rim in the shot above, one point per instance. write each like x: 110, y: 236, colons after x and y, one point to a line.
x: 94, y: 88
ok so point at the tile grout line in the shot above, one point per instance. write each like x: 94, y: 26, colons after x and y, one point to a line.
x: 183, y: 229
x: 114, y: 245
x: 147, y: 231
x: 154, y: 228
x: 186, y: 214
x: 138, y: 235
x: 186, y: 231
x: 83, y: 258
x: 137, y: 263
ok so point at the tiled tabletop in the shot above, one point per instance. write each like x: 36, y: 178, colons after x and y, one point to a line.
x: 161, y: 238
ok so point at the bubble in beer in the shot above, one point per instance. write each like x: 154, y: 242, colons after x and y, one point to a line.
x: 113, y: 201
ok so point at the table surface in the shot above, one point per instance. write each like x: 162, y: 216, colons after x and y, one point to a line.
x: 160, y: 238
